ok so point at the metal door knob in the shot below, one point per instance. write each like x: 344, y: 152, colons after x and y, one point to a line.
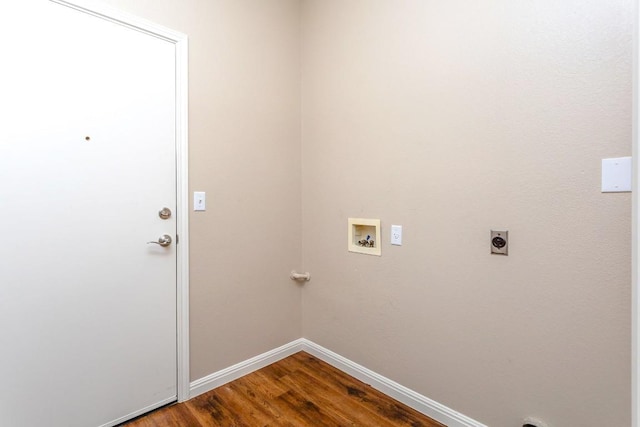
x: 165, y: 213
x: 164, y: 241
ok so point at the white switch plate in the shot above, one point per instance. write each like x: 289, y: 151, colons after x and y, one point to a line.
x: 396, y: 235
x: 616, y: 175
x: 199, y: 201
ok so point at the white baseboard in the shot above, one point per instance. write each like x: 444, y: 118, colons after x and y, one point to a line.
x: 391, y: 388
x: 241, y: 369
x: 142, y: 411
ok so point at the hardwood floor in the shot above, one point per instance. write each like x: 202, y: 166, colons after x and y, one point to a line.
x: 298, y: 391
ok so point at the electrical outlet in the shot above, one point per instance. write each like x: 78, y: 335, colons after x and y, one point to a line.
x: 396, y: 235
x: 499, y: 242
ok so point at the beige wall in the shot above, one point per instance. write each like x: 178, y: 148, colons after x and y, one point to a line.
x: 452, y: 118
x: 244, y: 130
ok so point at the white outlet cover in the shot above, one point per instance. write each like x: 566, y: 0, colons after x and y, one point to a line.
x: 616, y: 175
x: 396, y: 235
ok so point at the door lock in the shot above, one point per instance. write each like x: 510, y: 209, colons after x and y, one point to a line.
x: 165, y: 213
x: 164, y: 241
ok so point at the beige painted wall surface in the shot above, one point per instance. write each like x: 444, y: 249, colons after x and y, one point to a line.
x: 452, y: 118
x: 244, y: 141
x: 449, y: 118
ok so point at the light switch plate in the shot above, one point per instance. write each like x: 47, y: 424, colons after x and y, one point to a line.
x: 616, y: 175
x: 199, y: 201
x: 396, y: 235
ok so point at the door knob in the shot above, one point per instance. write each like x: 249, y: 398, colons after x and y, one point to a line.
x: 164, y: 241
x: 165, y: 213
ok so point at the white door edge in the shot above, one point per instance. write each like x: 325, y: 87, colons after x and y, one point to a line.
x: 635, y: 223
x: 180, y: 41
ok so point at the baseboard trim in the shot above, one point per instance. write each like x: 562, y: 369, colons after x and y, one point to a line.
x: 139, y: 412
x: 391, y: 388
x: 241, y: 369
x: 415, y: 400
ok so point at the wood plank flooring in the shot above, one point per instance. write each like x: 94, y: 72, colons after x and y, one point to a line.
x: 298, y: 391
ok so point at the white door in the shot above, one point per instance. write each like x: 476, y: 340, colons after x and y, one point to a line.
x: 87, y: 160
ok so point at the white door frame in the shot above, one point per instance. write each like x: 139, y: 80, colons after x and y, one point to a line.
x: 182, y: 188
x: 635, y: 223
